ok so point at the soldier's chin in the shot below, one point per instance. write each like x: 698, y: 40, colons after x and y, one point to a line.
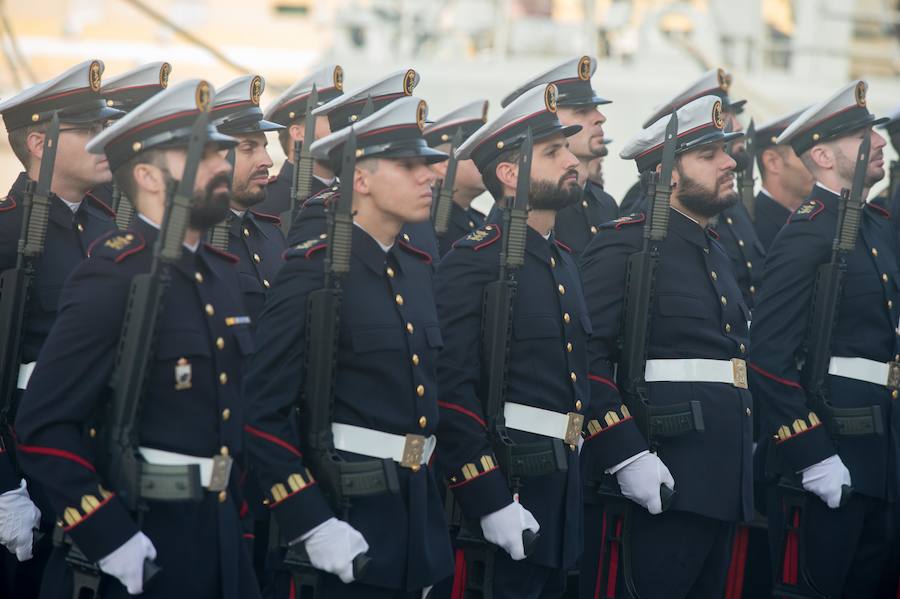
x: 207, y: 213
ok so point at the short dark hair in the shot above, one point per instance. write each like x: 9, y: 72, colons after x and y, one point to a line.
x: 18, y: 138
x: 124, y: 175
x: 489, y: 174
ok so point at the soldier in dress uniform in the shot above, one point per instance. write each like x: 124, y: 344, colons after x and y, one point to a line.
x: 75, y: 221
x: 578, y: 102
x: 547, y: 379
x: 291, y: 110
x: 695, y: 361
x: 785, y: 181
x: 384, y: 367
x: 734, y: 225
x: 468, y: 184
x: 845, y: 542
x: 253, y: 236
x: 192, y: 410
x: 343, y: 111
x: 126, y: 92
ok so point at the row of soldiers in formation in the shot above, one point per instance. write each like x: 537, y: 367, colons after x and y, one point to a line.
x: 551, y: 465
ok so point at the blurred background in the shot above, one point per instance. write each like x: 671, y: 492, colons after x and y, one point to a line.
x: 783, y: 54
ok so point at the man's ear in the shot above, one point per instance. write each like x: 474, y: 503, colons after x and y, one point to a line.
x: 508, y: 174
x: 149, y: 178
x: 34, y: 143
x: 772, y: 160
x: 675, y: 175
x: 296, y: 132
x: 822, y: 156
x: 361, y: 181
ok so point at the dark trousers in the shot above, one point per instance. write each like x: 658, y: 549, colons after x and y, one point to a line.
x: 846, y: 549
x: 333, y: 588
x: 672, y: 555
x: 524, y: 580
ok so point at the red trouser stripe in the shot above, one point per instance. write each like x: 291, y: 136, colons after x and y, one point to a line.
x: 459, y: 576
x: 614, y: 562
x: 735, y: 585
x: 600, y: 558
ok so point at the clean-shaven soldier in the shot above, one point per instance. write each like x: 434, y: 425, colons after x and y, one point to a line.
x: 385, y: 393
x: 695, y: 362
x: 191, y: 411
x: 75, y: 220
x: 786, y: 183
x: 253, y: 236
x: 468, y: 185
x: 578, y: 105
x: 291, y: 109
x: 846, y: 544
x: 546, y: 385
x: 309, y: 218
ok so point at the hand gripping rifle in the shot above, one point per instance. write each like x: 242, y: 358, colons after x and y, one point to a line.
x: 339, y: 479
x: 301, y: 182
x: 218, y: 233
x: 133, y: 480
x: 530, y: 459
x: 745, y: 175
x: 444, y: 201
x: 15, y: 283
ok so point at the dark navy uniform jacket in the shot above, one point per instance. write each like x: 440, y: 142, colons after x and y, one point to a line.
x: 769, y: 217
x: 278, y: 191
x: 310, y: 221
x: 256, y: 239
x: 69, y: 235
x: 577, y: 224
x: 462, y: 222
x: 388, y: 345
x: 545, y: 371
x: 866, y: 327
x: 747, y: 254
x: 203, y: 336
x: 698, y: 312
x: 634, y: 201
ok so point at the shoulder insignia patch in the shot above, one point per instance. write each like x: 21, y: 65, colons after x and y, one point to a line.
x: 560, y: 244
x: 307, y: 248
x: 227, y: 256
x: 480, y: 238
x: 100, y: 204
x: 411, y: 249
x: 7, y: 203
x: 876, y: 206
x: 631, y: 219
x: 117, y: 245
x: 807, y: 211
x: 269, y: 218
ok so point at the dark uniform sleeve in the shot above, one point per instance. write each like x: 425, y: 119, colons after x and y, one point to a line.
x: 63, y: 396
x: 613, y: 436
x: 779, y: 327
x: 9, y: 236
x: 274, y: 379
x: 464, y: 449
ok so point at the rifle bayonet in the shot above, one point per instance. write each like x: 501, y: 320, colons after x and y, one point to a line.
x: 445, y: 196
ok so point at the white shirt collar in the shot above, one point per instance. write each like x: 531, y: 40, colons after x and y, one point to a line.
x: 384, y: 248
x: 327, y: 182
x: 73, y: 206
x: 192, y: 247
x: 239, y: 213
x: 837, y: 193
x: 687, y: 217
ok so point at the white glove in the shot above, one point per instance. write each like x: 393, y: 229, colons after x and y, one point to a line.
x: 826, y: 478
x: 640, y: 477
x: 332, y: 545
x: 505, y: 526
x: 127, y: 562
x: 18, y: 519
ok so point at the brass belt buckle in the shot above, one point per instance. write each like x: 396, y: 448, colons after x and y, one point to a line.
x: 893, y: 379
x: 413, y: 452
x: 739, y: 370
x: 221, y: 473
x: 573, y: 428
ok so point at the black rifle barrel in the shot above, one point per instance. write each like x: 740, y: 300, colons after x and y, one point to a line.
x: 445, y: 197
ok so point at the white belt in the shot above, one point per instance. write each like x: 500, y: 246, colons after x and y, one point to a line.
x: 208, y: 466
x: 543, y: 422
x: 870, y: 371
x: 698, y: 370
x: 25, y: 371
x: 410, y: 451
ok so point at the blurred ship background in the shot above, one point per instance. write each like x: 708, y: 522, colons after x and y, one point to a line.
x: 783, y: 54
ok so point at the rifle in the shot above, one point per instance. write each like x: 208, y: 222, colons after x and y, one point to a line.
x: 894, y: 180
x: 745, y: 176
x: 15, y: 283
x: 132, y: 479
x: 441, y: 208
x: 516, y: 460
x: 301, y: 181
x: 218, y: 233
x: 340, y: 480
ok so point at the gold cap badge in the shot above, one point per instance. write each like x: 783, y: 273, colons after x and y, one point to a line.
x: 338, y: 77
x: 584, y: 68
x: 164, y: 71
x: 201, y: 96
x: 409, y: 82
x: 550, y: 97
x: 94, y: 75
x: 421, y: 113
x: 256, y: 88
